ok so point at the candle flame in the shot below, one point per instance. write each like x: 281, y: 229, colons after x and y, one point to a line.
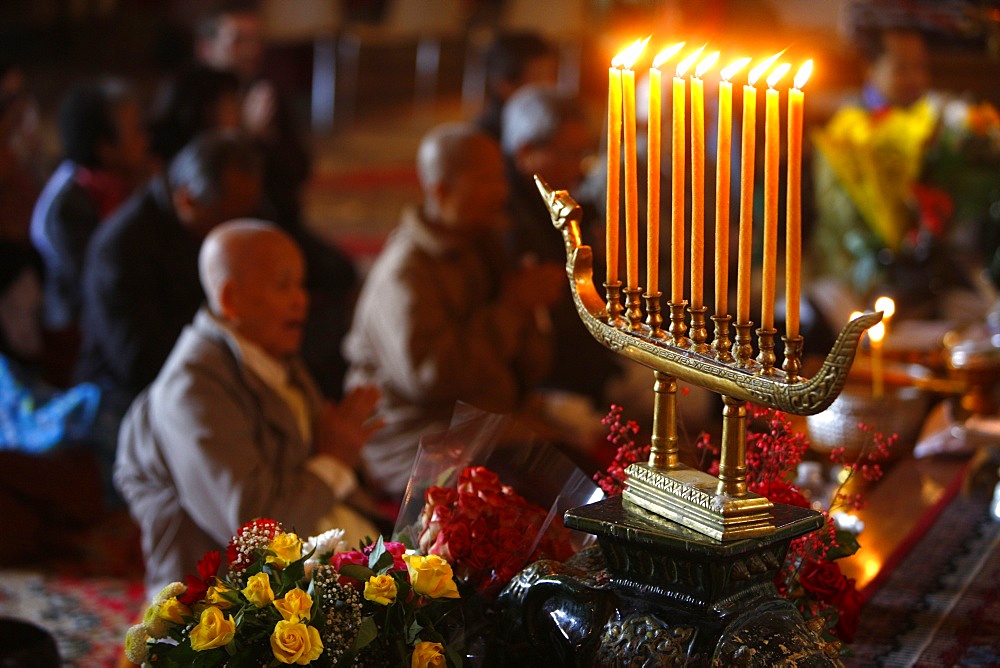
x: 855, y: 315
x: 667, y: 54
x: 802, y: 76
x: 729, y: 71
x: 628, y: 56
x: 706, y: 64
x: 758, y: 72
x: 774, y: 77
x: 876, y: 332
x: 683, y: 66
x: 887, y: 306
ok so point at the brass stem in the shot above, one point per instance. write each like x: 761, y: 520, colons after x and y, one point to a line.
x: 722, y: 343
x: 793, y: 357
x: 634, y: 310
x: 766, y: 356
x: 613, y: 291
x: 663, y: 452
x: 678, y: 327
x: 743, y: 348
x: 654, y: 317
x: 699, y: 330
x: 733, y: 459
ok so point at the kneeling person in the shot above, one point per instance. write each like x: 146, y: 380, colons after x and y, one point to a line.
x: 233, y: 427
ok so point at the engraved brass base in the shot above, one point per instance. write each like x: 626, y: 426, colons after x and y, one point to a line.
x: 689, y: 497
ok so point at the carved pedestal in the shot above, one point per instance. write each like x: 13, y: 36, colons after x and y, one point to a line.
x: 659, y: 594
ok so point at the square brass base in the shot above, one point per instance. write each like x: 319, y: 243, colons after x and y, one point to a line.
x: 689, y: 497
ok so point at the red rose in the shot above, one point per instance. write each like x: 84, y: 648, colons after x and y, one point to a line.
x: 453, y: 542
x: 440, y: 496
x: 849, y: 604
x: 824, y: 580
x: 353, y: 557
x: 395, y: 549
x: 482, y: 554
x: 474, y: 479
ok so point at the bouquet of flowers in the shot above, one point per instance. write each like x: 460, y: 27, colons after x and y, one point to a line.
x: 810, y: 576
x: 283, y: 600
x: 488, y: 531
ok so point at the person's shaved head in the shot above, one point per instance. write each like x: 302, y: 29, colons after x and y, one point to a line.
x: 461, y: 172
x: 252, y: 273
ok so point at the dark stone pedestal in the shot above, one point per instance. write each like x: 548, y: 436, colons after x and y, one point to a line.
x: 658, y: 594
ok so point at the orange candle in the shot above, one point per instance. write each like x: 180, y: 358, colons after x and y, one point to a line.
x: 654, y: 139
x: 772, y: 149
x: 614, y: 170
x: 723, y: 170
x: 698, y: 181
x: 747, y: 164
x: 793, y: 225
x: 678, y: 161
x: 629, y: 57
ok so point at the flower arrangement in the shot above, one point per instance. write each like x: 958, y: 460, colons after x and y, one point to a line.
x: 488, y: 531
x: 810, y: 576
x: 283, y: 600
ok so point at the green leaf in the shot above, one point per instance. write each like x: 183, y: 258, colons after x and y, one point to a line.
x: 367, y: 633
x: 847, y: 545
x: 356, y: 571
x: 413, y: 631
x: 379, y: 559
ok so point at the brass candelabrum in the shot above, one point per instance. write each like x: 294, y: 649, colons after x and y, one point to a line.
x: 720, y: 507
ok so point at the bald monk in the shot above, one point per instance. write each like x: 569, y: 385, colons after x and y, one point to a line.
x: 446, y: 315
x: 233, y: 427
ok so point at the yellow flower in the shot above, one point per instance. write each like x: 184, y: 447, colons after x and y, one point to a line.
x: 258, y: 590
x: 286, y: 547
x: 294, y: 642
x: 136, y: 649
x: 215, y: 595
x: 428, y: 655
x: 295, y: 605
x: 381, y: 589
x: 155, y: 623
x: 431, y: 576
x: 213, y: 630
x: 174, y: 611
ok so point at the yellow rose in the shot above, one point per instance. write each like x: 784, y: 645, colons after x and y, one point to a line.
x: 213, y: 630
x: 174, y: 611
x: 295, y: 605
x: 215, y: 595
x: 258, y: 590
x: 431, y: 576
x: 294, y: 642
x: 428, y: 655
x: 381, y: 589
x: 286, y: 547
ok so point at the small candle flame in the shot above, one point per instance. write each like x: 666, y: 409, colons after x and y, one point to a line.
x: 706, y: 64
x: 667, y: 54
x: 627, y: 57
x: 758, y: 72
x: 802, y: 76
x: 683, y: 66
x: 876, y: 332
x: 774, y: 77
x: 887, y: 306
x: 729, y: 71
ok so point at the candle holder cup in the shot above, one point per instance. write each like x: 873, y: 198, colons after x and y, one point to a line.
x: 718, y: 507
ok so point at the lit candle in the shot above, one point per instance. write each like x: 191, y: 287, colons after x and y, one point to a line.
x: 888, y: 308
x: 614, y: 167
x: 793, y: 225
x: 631, y: 179
x: 678, y: 160
x: 747, y: 164
x: 698, y: 180
x: 875, y: 334
x: 772, y: 149
x: 722, y: 178
x: 653, y: 168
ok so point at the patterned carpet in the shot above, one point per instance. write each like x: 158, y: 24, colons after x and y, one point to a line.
x: 941, y: 605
